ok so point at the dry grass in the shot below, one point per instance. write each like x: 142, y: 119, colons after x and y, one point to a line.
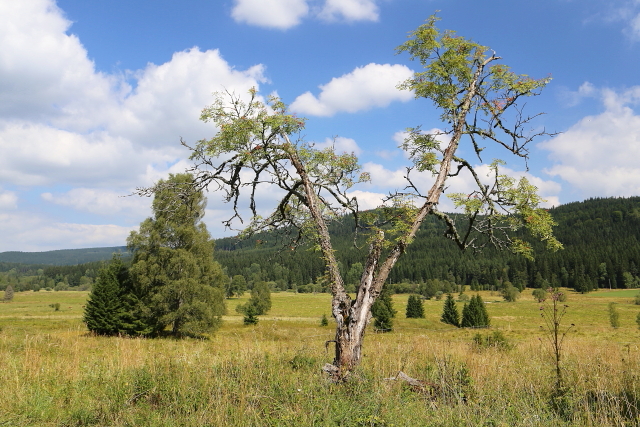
x: 55, y: 374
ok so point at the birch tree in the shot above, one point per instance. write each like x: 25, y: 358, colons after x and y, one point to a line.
x: 258, y: 144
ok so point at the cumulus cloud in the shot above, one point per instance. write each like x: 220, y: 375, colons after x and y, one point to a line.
x: 280, y: 14
x: 598, y: 155
x: 341, y: 145
x: 373, y: 85
x: 285, y: 14
x: 349, y: 10
x: 63, y: 124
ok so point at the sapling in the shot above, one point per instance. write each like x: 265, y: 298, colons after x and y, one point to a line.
x: 552, y: 314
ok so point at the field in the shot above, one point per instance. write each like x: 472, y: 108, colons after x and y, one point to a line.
x: 56, y: 374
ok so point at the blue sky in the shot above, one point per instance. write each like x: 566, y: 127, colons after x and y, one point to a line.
x: 96, y: 95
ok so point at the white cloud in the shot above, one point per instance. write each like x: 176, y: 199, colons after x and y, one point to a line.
x: 44, y: 72
x: 63, y: 124
x: 101, y: 202
x: 367, y: 199
x: 23, y: 231
x: 599, y: 154
x: 373, y: 85
x: 8, y: 200
x: 341, y: 145
x: 573, y: 98
x: 349, y: 10
x: 280, y: 14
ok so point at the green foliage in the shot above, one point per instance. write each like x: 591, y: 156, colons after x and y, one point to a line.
x: 495, y: 340
x: 324, y: 321
x: 638, y: 320
x: 383, y: 311
x: 105, y: 308
x: 55, y: 306
x: 8, y: 294
x: 415, y: 308
x: 173, y: 271
x: 510, y: 293
x: 474, y: 314
x: 237, y: 286
x: 614, y: 315
x: 539, y: 294
x: 450, y: 313
x: 260, y: 301
x: 250, y: 315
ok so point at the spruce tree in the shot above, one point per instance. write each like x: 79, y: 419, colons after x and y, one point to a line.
x: 450, y: 312
x: 260, y: 301
x: 104, y: 309
x: 174, y: 275
x: 8, y: 293
x: 415, y: 309
x: 474, y: 314
x: 383, y: 312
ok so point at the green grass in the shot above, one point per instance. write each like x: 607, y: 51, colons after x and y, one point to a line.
x: 56, y: 374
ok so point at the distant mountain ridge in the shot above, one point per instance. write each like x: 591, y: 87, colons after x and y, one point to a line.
x: 62, y: 256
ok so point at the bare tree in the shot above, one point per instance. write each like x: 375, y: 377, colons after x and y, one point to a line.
x: 256, y: 146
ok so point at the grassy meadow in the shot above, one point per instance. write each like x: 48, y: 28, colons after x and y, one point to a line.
x: 53, y: 373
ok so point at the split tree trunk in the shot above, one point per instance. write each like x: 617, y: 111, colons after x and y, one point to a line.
x: 352, y: 316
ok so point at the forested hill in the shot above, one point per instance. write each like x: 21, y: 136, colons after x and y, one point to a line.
x: 601, y: 239
x: 61, y: 257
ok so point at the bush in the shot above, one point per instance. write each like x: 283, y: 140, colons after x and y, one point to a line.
x: 539, y: 294
x: 495, y: 340
x: 8, y: 293
x: 614, y: 315
x: 637, y: 299
x: 510, y: 293
x: 55, y: 306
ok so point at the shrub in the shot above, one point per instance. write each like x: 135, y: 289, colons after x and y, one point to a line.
x: 637, y: 299
x: 510, y: 293
x: 614, y: 315
x: 539, y: 294
x: 8, y: 293
x: 638, y: 320
x: 495, y: 340
x: 55, y: 306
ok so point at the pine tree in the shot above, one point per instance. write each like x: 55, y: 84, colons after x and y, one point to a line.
x: 474, y: 314
x: 104, y: 309
x: 174, y: 275
x: 8, y: 293
x: 383, y: 312
x: 415, y: 309
x: 450, y: 312
x: 250, y: 317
